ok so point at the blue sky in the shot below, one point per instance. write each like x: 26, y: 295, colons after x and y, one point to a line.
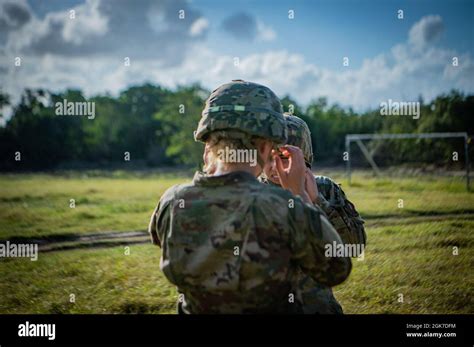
x: 325, y: 31
x: 388, y: 57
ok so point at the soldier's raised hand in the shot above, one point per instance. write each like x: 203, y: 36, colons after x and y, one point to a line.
x: 292, y: 177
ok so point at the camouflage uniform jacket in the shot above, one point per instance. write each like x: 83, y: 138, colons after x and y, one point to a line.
x: 233, y: 245
x: 339, y: 210
x: 317, y: 298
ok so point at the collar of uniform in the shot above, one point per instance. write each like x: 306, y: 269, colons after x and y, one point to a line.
x: 202, y: 179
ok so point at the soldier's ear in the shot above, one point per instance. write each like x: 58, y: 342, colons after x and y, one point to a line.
x: 206, y: 152
x: 264, y: 147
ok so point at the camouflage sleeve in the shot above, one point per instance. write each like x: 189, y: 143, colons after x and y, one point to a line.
x: 341, y: 213
x: 161, y: 217
x: 313, y: 236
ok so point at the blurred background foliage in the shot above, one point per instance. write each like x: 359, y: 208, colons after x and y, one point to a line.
x: 155, y: 125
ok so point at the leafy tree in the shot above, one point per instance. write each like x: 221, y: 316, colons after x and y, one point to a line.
x: 178, y: 119
x: 155, y: 125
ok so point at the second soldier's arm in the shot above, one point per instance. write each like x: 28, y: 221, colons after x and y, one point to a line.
x: 313, y: 242
x: 340, y: 212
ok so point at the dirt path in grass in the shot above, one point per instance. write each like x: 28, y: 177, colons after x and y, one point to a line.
x: 61, y: 242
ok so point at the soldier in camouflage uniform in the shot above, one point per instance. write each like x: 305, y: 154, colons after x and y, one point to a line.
x: 229, y: 243
x: 340, y: 211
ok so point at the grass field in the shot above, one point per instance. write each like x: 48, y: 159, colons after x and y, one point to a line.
x: 409, y: 251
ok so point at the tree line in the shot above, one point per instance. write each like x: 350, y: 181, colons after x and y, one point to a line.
x: 151, y: 126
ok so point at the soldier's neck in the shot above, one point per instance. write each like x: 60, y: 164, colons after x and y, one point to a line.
x: 223, y: 169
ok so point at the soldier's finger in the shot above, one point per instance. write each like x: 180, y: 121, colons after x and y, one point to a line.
x: 293, y: 150
x: 296, y: 157
x: 280, y: 169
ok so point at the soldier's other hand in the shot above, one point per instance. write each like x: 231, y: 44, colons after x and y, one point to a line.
x: 311, y: 187
x: 292, y: 177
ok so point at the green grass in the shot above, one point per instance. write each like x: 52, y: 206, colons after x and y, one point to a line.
x: 39, y: 205
x: 416, y: 261
x: 409, y: 249
x: 102, y: 281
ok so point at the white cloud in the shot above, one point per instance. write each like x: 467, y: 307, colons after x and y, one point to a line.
x: 264, y: 32
x: 402, y: 73
x: 14, y: 14
x: 426, y: 31
x: 199, y: 27
x: 86, y: 24
x: 108, y: 27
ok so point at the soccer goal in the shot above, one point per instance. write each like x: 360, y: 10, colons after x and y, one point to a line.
x: 358, y: 138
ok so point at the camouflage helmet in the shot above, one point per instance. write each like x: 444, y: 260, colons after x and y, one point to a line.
x: 299, y: 135
x: 246, y: 107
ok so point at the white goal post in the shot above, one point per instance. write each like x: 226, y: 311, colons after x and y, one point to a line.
x: 358, y: 138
